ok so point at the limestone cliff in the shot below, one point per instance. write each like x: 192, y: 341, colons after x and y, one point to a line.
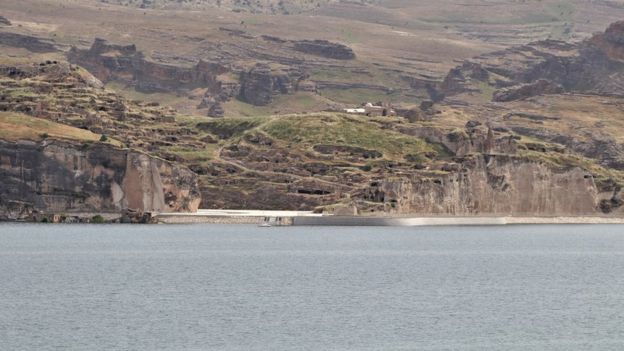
x: 62, y: 177
x: 298, y: 163
x: 495, y: 185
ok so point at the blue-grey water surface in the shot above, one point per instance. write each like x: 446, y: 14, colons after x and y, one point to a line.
x: 208, y: 287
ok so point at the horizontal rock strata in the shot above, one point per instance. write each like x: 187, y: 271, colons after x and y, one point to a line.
x: 57, y: 176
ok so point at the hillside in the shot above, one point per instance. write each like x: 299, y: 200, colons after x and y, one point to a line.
x: 330, y: 161
x: 398, y: 48
x: 264, y: 6
x: 251, y: 115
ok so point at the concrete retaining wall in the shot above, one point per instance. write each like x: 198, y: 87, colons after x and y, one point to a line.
x: 400, y: 222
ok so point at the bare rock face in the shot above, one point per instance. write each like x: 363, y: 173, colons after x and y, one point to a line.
x: 4, y: 21
x: 474, y: 138
x: 325, y: 49
x: 124, y: 63
x: 412, y: 114
x: 227, y: 90
x: 260, y: 84
x: 607, y: 151
x: 485, y: 178
x: 27, y: 42
x: 458, y: 78
x: 615, y: 33
x: 216, y: 110
x: 524, y: 91
x: 352, y: 151
x: 106, y: 67
x: 56, y: 176
x: 593, y: 66
x: 495, y: 185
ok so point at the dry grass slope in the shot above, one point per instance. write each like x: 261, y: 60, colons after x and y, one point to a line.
x: 15, y: 126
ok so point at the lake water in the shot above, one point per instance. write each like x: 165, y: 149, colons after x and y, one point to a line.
x: 208, y: 287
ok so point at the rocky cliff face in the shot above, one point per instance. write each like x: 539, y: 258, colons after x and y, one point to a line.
x: 325, y: 49
x: 256, y: 85
x: 523, y: 91
x: 62, y: 177
x: 27, y: 42
x: 124, y: 63
x: 495, y: 185
x: 546, y: 67
x: 481, y: 169
x: 474, y: 138
x: 260, y: 84
x: 458, y: 78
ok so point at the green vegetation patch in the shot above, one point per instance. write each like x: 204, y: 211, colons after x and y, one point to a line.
x: 98, y: 219
x: 201, y: 156
x: 226, y: 128
x: 487, y: 91
x: 338, y: 129
x: 237, y: 108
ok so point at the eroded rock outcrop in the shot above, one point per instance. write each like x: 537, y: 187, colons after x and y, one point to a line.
x: 458, y: 78
x: 325, y: 49
x: 213, y: 99
x: 126, y: 64
x: 593, y: 66
x: 474, y: 138
x: 4, y: 21
x: 349, y: 151
x: 67, y: 94
x: 57, y: 176
x: 524, y: 91
x: 27, y: 42
x: 603, y: 148
x: 259, y: 85
x: 494, y: 185
x: 488, y: 176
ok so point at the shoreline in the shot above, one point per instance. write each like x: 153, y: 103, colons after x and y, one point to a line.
x: 301, y: 218
x: 307, y: 218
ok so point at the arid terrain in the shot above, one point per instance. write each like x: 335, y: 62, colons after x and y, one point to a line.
x: 489, y: 108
